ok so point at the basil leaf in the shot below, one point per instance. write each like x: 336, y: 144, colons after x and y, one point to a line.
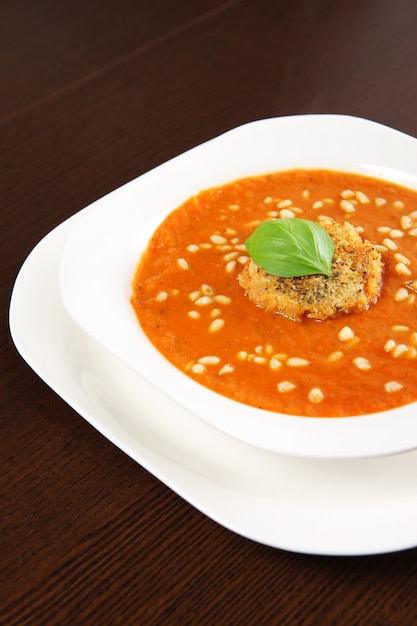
x: 290, y: 247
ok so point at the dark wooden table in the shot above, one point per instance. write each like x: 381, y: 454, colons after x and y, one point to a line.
x: 93, y: 95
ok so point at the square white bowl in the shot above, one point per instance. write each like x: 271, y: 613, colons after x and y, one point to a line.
x: 105, y: 245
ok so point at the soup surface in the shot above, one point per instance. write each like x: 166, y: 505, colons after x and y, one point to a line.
x: 189, y: 303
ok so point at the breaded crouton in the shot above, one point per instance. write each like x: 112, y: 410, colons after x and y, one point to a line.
x: 355, y: 283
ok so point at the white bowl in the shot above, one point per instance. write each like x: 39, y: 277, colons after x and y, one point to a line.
x: 103, y: 249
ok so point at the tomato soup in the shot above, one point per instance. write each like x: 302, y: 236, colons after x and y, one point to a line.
x: 188, y: 301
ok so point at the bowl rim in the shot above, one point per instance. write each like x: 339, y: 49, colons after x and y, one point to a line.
x: 112, y: 233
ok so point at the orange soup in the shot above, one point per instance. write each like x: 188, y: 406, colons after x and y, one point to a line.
x: 189, y: 303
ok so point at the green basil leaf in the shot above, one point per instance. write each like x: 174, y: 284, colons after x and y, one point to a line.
x: 290, y: 247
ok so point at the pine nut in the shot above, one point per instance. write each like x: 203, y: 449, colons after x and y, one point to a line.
x: 362, y: 363
x: 203, y: 301
x: 230, y: 256
x: 275, y: 364
x: 218, y: 239
x: 216, y: 325
x: 406, y: 222
x: 195, y: 315
x: 346, y: 333
x: 183, y: 264
x: 399, y: 350
x: 286, y: 213
x: 285, y: 386
x: 297, y: 362
x: 390, y: 244
x: 315, y: 395
x: 402, y: 259
x: 206, y: 290
x: 402, y: 269
x: 392, y: 386
x: 284, y: 203
x: 396, y: 233
x: 347, y: 206
x: 361, y: 197
x: 401, y: 294
x: 209, y: 360
x: 220, y: 299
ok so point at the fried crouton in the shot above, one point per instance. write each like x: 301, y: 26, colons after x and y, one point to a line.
x: 355, y: 283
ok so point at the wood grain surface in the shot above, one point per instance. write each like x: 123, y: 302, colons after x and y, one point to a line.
x: 92, y: 95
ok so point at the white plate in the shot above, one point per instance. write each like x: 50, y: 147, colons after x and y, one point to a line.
x: 103, y: 250
x: 343, y: 507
